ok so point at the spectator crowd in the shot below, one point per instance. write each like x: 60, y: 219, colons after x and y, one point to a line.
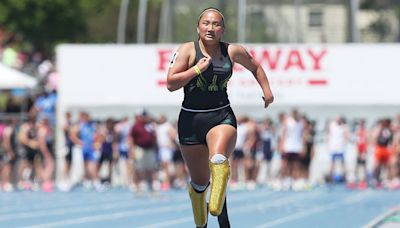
x: 142, y: 154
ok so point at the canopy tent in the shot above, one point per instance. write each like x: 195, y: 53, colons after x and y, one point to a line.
x: 14, y: 79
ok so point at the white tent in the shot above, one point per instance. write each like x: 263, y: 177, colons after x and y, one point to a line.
x: 14, y: 79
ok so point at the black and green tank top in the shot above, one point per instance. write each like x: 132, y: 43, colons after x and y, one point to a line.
x: 208, y: 91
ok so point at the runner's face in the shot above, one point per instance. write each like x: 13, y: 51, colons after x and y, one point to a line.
x: 210, y: 26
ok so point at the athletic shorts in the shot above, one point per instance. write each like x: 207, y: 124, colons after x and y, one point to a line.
x: 194, y: 126
x: 90, y: 155
x: 177, y: 157
x: 105, y: 156
x: 305, y: 161
x: 145, y: 159
x: 291, y: 156
x: 267, y: 151
x: 238, y: 154
x: 382, y: 154
x: 68, y: 156
x: 337, y: 156
x: 362, y: 158
x: 26, y: 153
x: 4, y: 157
x: 165, y: 154
x: 124, y: 154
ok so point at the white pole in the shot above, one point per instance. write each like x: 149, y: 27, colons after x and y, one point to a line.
x: 141, y: 25
x: 298, y: 23
x: 241, y: 29
x: 165, y: 25
x: 123, y: 12
x: 353, y: 20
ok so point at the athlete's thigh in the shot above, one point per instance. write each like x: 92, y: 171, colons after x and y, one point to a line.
x: 221, y: 139
x: 196, y: 159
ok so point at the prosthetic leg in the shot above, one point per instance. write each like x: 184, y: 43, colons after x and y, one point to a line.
x: 219, y: 177
x: 199, y: 206
x: 223, y: 219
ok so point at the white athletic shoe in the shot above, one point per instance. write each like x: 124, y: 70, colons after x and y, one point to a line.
x: 7, y: 187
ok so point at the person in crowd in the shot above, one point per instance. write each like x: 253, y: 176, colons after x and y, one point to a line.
x: 144, y: 147
x: 85, y: 135
x: 69, y: 147
x: 395, y: 158
x: 337, y: 139
x: 293, y: 148
x: 308, y: 155
x: 237, y: 158
x: 166, y: 146
x: 108, y: 149
x: 46, y: 147
x: 45, y: 107
x: 362, y: 136
x: 268, y: 144
x: 277, y: 183
x: 382, y: 139
x: 250, y: 149
x: 122, y: 129
x: 29, y: 167
x: 181, y: 172
x: 8, y: 154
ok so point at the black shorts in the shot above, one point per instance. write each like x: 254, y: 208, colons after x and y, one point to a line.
x: 291, y: 157
x: 26, y: 153
x: 105, y: 157
x: 68, y: 156
x: 194, y: 126
x: 306, y: 161
x: 267, y: 150
x: 4, y: 157
x: 238, y: 154
x: 361, y: 159
x: 177, y: 156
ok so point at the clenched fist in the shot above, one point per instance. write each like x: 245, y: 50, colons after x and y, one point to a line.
x: 203, y: 63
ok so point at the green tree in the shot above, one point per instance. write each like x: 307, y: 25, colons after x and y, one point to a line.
x: 44, y: 23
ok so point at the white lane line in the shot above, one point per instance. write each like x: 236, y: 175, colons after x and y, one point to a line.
x: 238, y: 209
x: 379, y: 218
x: 52, y: 203
x: 169, y: 223
x: 114, y: 216
x: 138, y: 212
x: 52, y: 206
x: 79, y: 209
x: 349, y: 200
x: 270, y: 203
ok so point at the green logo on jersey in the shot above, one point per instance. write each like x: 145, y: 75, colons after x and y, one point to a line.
x: 213, y: 87
x: 224, y: 83
x: 201, y: 82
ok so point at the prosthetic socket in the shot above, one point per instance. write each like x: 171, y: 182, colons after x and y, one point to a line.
x: 219, y: 179
x: 199, y: 206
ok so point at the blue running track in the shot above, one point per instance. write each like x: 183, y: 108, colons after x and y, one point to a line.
x: 322, y: 207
